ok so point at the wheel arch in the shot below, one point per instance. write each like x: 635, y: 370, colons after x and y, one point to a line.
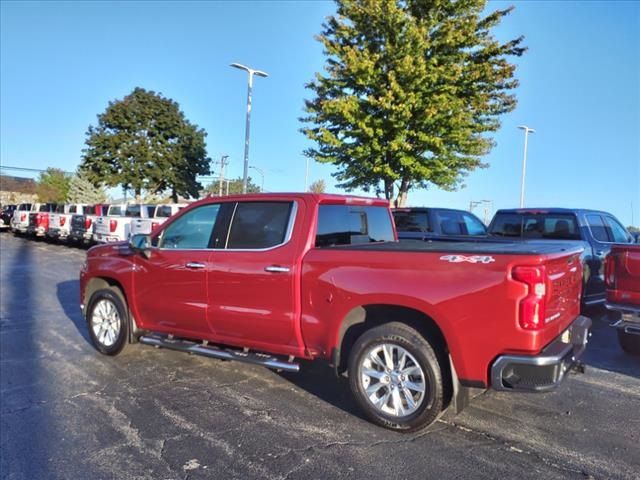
x: 98, y: 283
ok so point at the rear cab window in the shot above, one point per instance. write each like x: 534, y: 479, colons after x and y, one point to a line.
x: 114, y: 211
x: 558, y: 226
x: 162, y: 211
x: 353, y: 224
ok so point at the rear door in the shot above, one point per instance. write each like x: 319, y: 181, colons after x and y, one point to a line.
x: 252, y: 280
x: 600, y: 247
x: 171, y: 285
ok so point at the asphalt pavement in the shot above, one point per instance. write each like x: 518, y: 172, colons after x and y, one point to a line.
x: 68, y: 412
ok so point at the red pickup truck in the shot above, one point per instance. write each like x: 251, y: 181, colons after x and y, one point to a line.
x: 622, y: 277
x: 269, y: 278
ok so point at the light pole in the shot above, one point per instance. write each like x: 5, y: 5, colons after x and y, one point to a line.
x: 251, y: 73
x: 261, y: 172
x: 527, y: 130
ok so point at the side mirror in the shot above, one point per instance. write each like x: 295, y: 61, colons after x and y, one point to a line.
x: 141, y: 243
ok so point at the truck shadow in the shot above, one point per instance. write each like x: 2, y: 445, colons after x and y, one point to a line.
x: 318, y: 379
x: 68, y: 293
x: 603, y: 350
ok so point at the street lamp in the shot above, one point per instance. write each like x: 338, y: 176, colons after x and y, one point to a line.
x: 251, y: 73
x: 261, y: 172
x: 527, y: 130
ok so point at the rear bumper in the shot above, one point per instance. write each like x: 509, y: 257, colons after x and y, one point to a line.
x: 105, y: 238
x: 37, y: 231
x: 545, y: 371
x: 629, y: 321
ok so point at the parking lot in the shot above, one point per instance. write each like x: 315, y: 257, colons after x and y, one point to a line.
x: 68, y: 412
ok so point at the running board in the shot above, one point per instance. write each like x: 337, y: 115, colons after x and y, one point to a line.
x: 207, y: 350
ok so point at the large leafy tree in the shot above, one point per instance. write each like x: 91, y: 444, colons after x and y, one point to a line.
x: 412, y: 88
x: 53, y: 185
x: 81, y: 190
x: 144, y: 142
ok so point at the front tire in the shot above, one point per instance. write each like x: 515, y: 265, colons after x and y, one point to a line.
x: 108, y: 321
x: 396, y: 378
x: 629, y: 342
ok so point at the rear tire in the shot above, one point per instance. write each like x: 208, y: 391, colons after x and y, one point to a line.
x: 396, y: 378
x: 629, y: 342
x: 108, y: 321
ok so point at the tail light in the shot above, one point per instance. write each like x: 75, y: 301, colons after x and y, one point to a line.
x: 532, y: 307
x: 154, y: 225
x: 113, y: 224
x: 610, y: 272
x: 63, y: 220
x: 87, y: 223
x: 23, y: 217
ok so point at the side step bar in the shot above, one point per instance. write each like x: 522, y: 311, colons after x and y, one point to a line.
x: 206, y: 350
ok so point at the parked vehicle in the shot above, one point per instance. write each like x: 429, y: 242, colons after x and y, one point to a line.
x: 6, y: 213
x: 593, y: 229
x: 267, y: 278
x: 60, y: 221
x: 431, y: 224
x: 160, y: 215
x: 116, y: 225
x: 39, y: 219
x: 622, y: 273
x: 82, y: 222
x: 20, y: 219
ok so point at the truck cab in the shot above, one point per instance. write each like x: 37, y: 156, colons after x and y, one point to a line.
x: 595, y: 230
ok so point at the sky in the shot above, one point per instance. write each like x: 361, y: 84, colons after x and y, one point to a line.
x: 62, y: 62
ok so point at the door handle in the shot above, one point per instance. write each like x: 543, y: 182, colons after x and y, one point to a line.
x: 277, y: 269
x: 195, y: 265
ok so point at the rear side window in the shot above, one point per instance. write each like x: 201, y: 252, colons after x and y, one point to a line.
x: 72, y: 209
x: 597, y: 227
x: 89, y: 210
x: 258, y: 225
x: 192, y: 231
x: 450, y: 223
x: 60, y: 209
x: 163, y: 211
x: 348, y: 224
x: 149, y: 210
x: 24, y: 206
x: 411, y: 221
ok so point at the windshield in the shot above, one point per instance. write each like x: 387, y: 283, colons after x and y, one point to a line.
x: 536, y: 225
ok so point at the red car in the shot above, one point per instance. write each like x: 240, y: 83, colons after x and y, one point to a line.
x: 622, y: 275
x: 269, y: 278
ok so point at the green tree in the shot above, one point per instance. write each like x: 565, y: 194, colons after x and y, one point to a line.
x: 53, y: 185
x: 81, y: 190
x: 319, y: 186
x: 411, y: 91
x: 235, y: 187
x: 144, y: 142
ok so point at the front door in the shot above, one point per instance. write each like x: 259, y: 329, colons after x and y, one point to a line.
x: 253, y: 295
x: 170, y: 287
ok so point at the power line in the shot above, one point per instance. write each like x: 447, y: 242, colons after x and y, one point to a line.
x: 25, y: 169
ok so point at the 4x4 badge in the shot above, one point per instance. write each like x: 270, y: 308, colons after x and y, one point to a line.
x: 471, y: 259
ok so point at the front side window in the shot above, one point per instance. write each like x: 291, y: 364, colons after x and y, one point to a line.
x: 474, y: 226
x: 617, y: 231
x: 350, y: 224
x: 411, y: 221
x: 258, y: 225
x: 597, y: 227
x: 192, y: 231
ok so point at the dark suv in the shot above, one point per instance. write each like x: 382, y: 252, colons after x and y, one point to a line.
x: 430, y: 224
x: 6, y: 212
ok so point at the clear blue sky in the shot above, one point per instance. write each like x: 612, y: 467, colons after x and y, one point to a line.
x: 61, y: 62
